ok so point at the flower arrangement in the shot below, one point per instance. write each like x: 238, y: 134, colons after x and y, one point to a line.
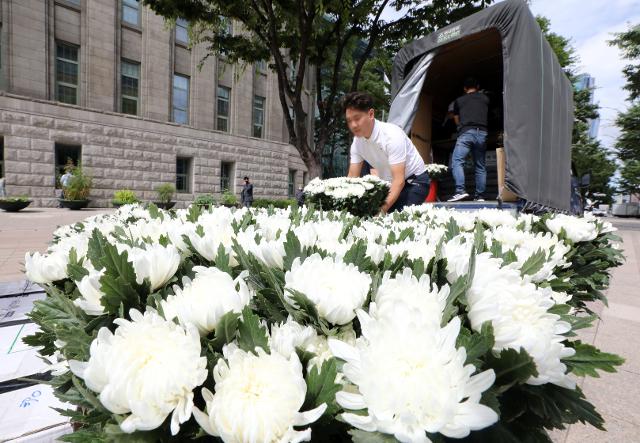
x: 283, y: 325
x: 358, y: 196
x: 436, y: 171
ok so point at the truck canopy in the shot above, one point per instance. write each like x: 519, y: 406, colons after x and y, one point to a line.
x: 532, y: 98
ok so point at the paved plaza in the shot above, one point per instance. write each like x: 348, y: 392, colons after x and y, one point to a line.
x: 618, y: 330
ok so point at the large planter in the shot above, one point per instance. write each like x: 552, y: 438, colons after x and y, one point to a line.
x: 13, y: 206
x: 165, y: 205
x: 74, y: 205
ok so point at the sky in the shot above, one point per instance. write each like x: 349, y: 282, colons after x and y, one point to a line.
x: 590, y: 24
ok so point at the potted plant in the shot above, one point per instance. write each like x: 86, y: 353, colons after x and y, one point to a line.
x: 165, y: 193
x: 124, y: 197
x: 436, y: 172
x: 229, y: 199
x: 76, y: 193
x: 205, y: 201
x: 14, y: 204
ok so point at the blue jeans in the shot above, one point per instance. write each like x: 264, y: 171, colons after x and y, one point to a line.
x: 474, y: 141
x: 414, y: 192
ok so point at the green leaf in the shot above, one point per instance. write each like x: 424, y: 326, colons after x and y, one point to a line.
x: 193, y: 214
x: 251, y: 334
x: 75, y: 270
x: 476, y: 344
x: 588, y: 359
x: 451, y: 229
x: 479, y: 241
x: 322, y: 387
x: 117, y: 292
x: 534, y: 263
x: 225, y: 330
x: 512, y: 367
x: 509, y: 257
x: 292, y: 249
x: 359, y: 436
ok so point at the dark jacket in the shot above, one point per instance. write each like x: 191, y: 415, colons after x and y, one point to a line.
x: 300, y: 197
x: 247, y: 192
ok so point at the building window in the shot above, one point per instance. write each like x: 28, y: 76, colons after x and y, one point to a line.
x: 182, y: 31
x: 305, y: 178
x: 292, y: 183
x: 66, y: 73
x: 183, y: 174
x: 129, y: 84
x: 261, y: 66
x: 223, y: 101
x: 1, y: 157
x: 226, y: 177
x: 66, y: 157
x: 180, y: 99
x: 258, y: 116
x: 131, y: 12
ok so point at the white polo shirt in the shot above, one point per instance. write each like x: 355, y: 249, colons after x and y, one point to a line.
x: 388, y: 145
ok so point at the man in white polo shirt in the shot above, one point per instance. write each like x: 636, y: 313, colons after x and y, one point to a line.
x: 388, y: 150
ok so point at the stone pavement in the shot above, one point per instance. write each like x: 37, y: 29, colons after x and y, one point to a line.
x: 31, y: 230
x: 618, y: 330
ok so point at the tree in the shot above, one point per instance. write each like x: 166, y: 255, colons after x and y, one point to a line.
x: 628, y: 143
x: 629, y: 44
x: 587, y: 154
x: 298, y: 36
x: 629, y: 182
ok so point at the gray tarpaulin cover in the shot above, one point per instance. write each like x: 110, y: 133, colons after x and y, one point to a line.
x: 537, y: 99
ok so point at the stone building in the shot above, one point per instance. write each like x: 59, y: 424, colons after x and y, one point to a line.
x: 109, y: 84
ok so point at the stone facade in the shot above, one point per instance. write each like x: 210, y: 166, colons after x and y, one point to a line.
x: 121, y: 151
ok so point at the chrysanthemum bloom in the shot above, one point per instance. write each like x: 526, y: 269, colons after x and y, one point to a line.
x: 204, y: 300
x: 257, y: 399
x: 518, y: 312
x: 45, y: 268
x: 147, y: 368
x: 577, y: 229
x: 337, y: 289
x: 411, y: 379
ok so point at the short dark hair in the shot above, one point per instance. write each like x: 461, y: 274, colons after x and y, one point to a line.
x: 471, y: 82
x: 246, y: 178
x: 357, y: 100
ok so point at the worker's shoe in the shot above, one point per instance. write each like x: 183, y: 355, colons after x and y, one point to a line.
x: 479, y: 199
x: 459, y: 197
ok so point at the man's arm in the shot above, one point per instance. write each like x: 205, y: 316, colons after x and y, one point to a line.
x: 397, y: 183
x: 355, y: 169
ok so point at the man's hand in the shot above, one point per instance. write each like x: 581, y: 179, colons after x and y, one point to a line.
x: 355, y: 169
x: 397, y: 183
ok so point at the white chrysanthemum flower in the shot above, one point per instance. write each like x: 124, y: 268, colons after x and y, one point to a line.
x: 577, y: 229
x: 91, y: 294
x: 337, y: 289
x: 496, y: 217
x: 147, y: 368
x: 457, y: 251
x: 204, y: 300
x: 323, y: 234
x: 273, y: 226
x: 420, y: 295
x: 269, y: 252
x: 518, y: 312
x: 257, y: 399
x: 157, y: 263
x: 208, y: 244
x: 427, y: 387
x: 45, y: 268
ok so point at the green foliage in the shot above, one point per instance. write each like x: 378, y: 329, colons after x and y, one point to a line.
x: 629, y: 182
x: 79, y: 185
x: 629, y: 44
x: 125, y: 197
x: 252, y: 334
x: 165, y: 192
x: 20, y: 198
x: 205, y: 200
x: 367, y: 205
x: 276, y: 203
x: 588, y: 359
x: 229, y: 198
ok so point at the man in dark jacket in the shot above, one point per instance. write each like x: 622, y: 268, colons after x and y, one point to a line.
x: 300, y: 196
x: 247, y: 193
